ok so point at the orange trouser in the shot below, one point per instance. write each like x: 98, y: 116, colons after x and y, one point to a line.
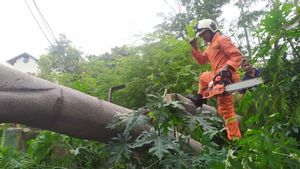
x: 225, y: 106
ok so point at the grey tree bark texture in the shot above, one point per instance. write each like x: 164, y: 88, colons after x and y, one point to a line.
x: 38, y: 103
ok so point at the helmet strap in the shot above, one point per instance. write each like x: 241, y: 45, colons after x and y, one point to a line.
x: 211, y: 35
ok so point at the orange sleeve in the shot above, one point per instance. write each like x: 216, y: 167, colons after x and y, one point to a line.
x: 234, y: 54
x: 201, y: 58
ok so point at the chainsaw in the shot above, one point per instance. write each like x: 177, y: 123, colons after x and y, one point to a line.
x: 222, y: 84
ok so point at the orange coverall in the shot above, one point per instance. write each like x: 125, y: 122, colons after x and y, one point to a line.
x: 221, y: 51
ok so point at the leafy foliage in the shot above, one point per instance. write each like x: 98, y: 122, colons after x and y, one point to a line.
x: 189, y: 10
x: 164, y: 146
x: 271, y: 113
x: 62, y: 58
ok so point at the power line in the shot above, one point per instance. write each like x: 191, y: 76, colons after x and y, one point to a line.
x: 32, y: 14
x: 50, y: 31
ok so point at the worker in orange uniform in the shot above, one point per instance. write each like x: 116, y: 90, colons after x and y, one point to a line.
x: 223, y: 55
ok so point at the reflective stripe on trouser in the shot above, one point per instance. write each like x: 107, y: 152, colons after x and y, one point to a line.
x: 226, y: 109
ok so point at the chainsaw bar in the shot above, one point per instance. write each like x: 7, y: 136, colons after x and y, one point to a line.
x: 243, y: 84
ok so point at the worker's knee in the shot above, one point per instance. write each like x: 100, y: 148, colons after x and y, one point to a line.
x: 206, y: 77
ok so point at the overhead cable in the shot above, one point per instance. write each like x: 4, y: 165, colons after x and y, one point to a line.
x: 50, y: 31
x: 32, y: 14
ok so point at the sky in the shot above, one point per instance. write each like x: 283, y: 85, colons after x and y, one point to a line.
x: 94, y: 26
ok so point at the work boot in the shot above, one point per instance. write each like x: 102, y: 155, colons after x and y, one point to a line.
x: 197, y: 100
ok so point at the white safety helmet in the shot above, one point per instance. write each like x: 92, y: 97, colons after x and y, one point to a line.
x: 205, y: 24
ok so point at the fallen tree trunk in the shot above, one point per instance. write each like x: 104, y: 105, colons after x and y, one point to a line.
x: 38, y: 103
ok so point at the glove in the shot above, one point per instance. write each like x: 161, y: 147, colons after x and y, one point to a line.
x: 226, y: 71
x: 193, y: 43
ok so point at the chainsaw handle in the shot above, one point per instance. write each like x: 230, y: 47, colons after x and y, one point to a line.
x: 217, y: 75
x: 223, y: 74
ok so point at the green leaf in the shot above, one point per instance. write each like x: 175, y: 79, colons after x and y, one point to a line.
x: 161, y: 146
x: 146, y: 138
x: 119, y: 148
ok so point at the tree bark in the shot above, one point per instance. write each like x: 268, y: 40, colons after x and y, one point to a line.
x: 38, y: 103
x: 245, y: 29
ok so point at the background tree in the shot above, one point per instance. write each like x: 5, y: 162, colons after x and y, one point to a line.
x: 246, y: 21
x: 189, y: 10
x: 272, y: 111
x: 61, y: 58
